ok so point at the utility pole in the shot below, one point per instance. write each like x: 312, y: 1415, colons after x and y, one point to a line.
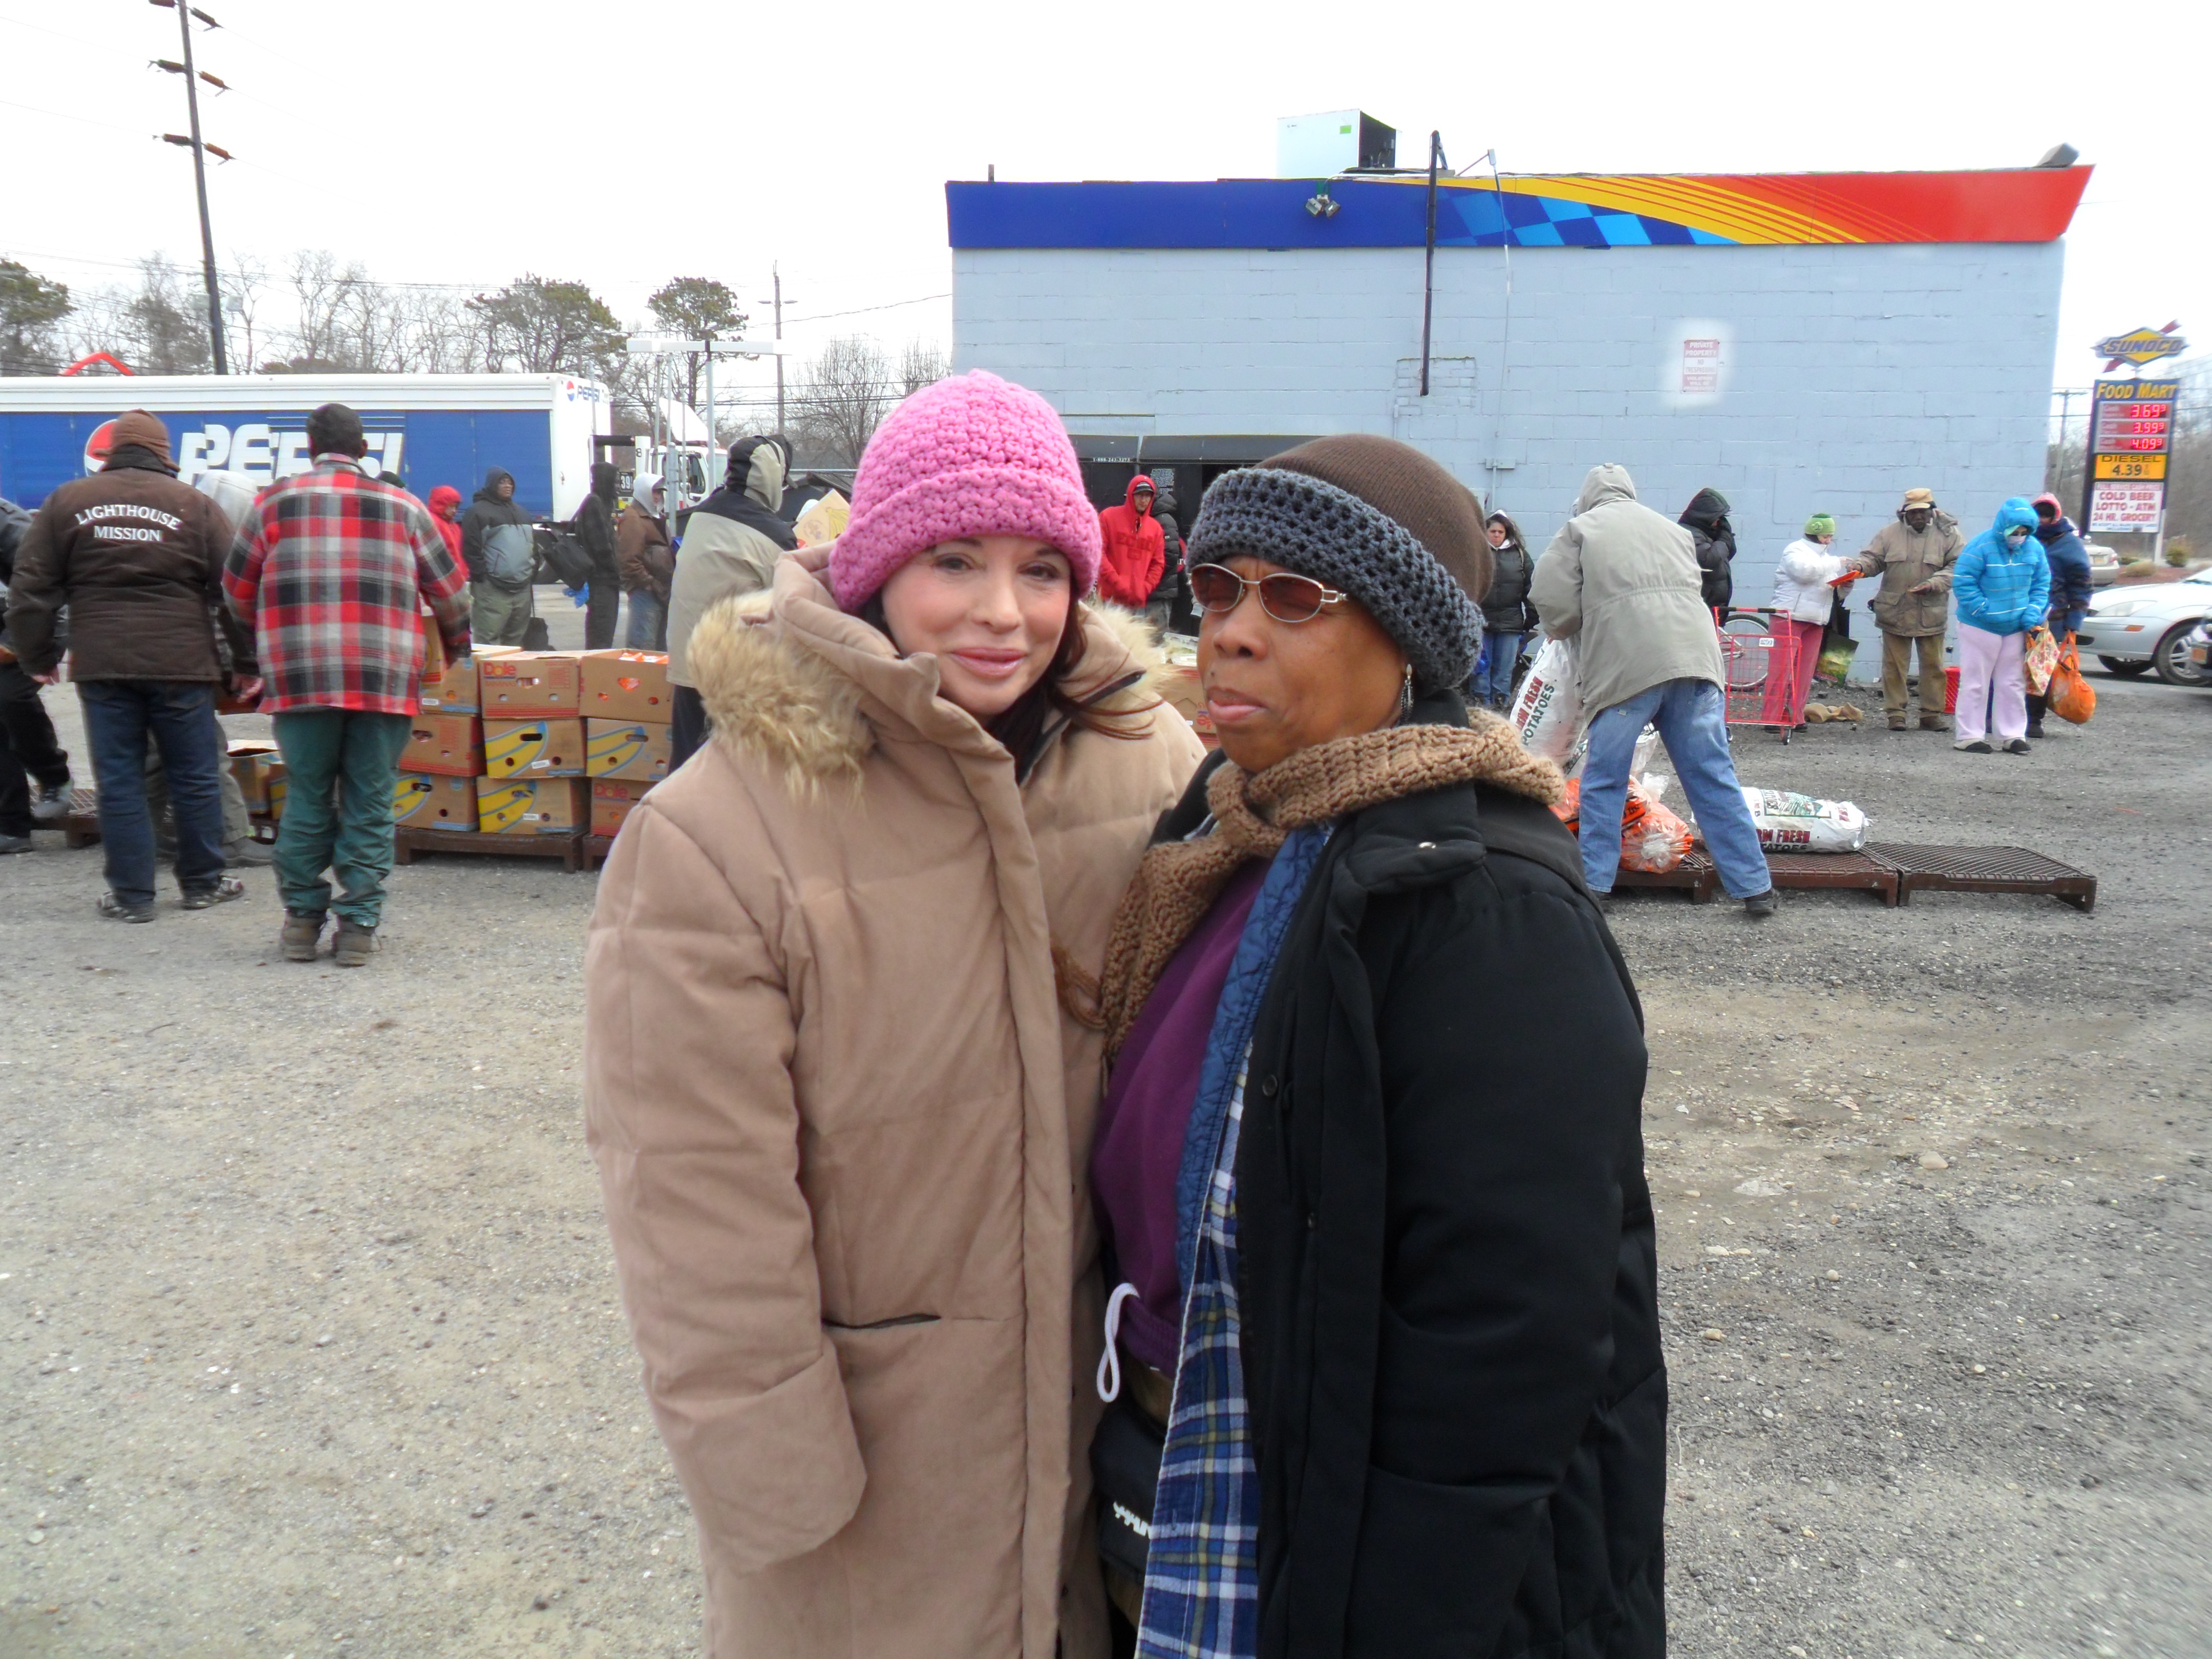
x: 777, y: 271
x: 199, y: 178
x: 1428, y: 267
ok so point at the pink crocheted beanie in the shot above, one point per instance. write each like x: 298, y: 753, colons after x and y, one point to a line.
x: 972, y: 455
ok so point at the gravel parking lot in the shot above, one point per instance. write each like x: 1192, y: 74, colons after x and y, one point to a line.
x: 309, y: 1337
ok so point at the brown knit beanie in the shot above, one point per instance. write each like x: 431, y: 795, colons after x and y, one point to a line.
x: 1375, y: 518
x: 139, y: 430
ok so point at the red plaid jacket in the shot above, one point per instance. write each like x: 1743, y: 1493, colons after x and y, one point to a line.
x: 331, y: 569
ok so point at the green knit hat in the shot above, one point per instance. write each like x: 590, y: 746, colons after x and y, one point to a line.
x: 1820, y: 523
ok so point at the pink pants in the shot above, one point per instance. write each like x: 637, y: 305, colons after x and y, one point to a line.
x: 1790, y: 673
x: 1988, y: 661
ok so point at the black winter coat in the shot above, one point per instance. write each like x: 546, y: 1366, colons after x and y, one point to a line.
x: 1449, y: 1304
x: 1706, y: 519
x: 1505, y: 607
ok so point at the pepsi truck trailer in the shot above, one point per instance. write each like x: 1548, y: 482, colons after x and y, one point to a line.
x: 430, y: 429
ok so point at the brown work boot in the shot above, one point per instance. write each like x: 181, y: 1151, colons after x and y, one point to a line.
x: 302, y: 931
x: 353, y: 945
x: 1897, y: 722
x: 1934, y: 723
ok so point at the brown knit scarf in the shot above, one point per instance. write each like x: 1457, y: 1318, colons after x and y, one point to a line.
x: 1178, y: 881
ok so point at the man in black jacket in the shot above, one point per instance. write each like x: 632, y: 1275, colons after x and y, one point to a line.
x: 595, y: 528
x: 28, y: 747
x: 1706, y: 519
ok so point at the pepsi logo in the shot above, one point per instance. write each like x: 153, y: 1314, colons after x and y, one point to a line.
x: 97, y: 446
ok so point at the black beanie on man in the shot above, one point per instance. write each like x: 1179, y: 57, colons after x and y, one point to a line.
x: 1374, y: 517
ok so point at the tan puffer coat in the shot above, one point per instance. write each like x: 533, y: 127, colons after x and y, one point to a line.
x: 842, y: 1122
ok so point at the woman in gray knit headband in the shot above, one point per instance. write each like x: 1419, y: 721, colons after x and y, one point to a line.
x: 1381, y: 1334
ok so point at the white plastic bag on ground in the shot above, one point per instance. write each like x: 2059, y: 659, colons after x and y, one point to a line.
x: 1791, y: 822
x: 1548, y: 710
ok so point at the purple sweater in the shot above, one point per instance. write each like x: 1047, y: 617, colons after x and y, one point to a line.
x: 1146, y: 1113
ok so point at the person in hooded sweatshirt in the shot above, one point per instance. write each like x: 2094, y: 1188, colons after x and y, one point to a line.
x: 2071, y: 585
x: 500, y: 551
x: 1706, y: 518
x: 646, y: 559
x: 1625, y: 584
x: 445, y: 505
x: 730, y: 548
x: 595, y: 528
x: 2002, y: 588
x: 1135, y: 549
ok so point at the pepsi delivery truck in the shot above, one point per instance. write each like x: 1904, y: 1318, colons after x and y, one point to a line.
x: 431, y: 429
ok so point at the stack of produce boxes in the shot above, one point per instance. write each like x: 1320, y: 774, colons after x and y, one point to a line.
x: 626, y: 714
x: 535, y: 743
x: 437, y: 786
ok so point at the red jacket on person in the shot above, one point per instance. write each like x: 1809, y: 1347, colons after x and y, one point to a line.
x: 449, y: 524
x: 1135, y: 555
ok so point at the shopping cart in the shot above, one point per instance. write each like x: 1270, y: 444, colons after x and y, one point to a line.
x: 1760, y: 679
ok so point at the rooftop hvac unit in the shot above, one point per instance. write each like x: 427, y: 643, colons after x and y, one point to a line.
x: 1333, y: 142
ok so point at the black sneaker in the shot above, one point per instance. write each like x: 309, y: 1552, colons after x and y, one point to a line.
x: 2017, y: 746
x: 116, y: 910
x: 1978, y: 747
x: 1761, y: 905
x: 226, y: 889
x: 2035, y: 732
x: 14, y: 844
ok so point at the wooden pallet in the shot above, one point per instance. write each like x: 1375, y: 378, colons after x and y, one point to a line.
x: 1848, y: 871
x: 595, y: 848
x: 409, y: 842
x: 81, y: 824
x: 1925, y: 868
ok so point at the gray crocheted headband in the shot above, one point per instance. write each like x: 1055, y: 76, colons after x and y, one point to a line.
x: 1306, y: 525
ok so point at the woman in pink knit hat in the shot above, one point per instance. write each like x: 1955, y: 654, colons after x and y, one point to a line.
x: 842, y: 1054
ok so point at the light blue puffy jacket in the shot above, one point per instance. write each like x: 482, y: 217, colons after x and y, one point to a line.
x: 2003, y: 589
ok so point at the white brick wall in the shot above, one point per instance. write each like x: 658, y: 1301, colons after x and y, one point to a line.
x: 1854, y: 372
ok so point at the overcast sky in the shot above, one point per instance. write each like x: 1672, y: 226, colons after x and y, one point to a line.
x: 466, y: 141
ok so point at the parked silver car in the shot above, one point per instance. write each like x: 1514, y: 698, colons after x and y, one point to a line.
x: 2132, y: 630
x: 2104, y: 564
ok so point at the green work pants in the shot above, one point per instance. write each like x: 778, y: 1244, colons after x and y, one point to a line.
x: 497, y: 616
x: 356, y: 756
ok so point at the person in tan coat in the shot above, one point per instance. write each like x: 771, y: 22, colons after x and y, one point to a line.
x: 841, y: 1105
x: 1915, y: 557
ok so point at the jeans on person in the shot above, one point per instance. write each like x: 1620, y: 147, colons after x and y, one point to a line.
x: 1494, y: 682
x: 27, y: 746
x: 1991, y: 671
x: 180, y: 714
x: 1691, y: 721
x: 600, y: 611
x: 648, y: 621
x: 498, y: 616
x: 359, y: 754
x: 689, y: 727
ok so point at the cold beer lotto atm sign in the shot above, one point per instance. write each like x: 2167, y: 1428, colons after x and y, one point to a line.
x: 2130, y: 439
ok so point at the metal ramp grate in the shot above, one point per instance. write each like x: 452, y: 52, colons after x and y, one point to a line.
x: 1848, y: 870
x: 1923, y: 868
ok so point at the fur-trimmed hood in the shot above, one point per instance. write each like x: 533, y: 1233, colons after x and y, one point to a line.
x: 788, y: 678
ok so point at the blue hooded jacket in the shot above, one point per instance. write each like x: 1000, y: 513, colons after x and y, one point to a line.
x: 2003, y: 589
x: 2071, y: 587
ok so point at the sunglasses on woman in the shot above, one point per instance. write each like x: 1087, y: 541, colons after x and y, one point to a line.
x: 1286, y: 597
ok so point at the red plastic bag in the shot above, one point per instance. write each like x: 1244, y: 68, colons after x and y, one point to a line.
x: 2070, y: 696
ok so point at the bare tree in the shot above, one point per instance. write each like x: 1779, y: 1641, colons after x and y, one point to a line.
x: 241, y: 286
x: 922, y: 363
x: 842, y: 396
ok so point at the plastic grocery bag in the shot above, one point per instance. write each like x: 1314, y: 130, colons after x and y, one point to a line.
x: 1653, y: 839
x: 2038, y: 660
x: 2072, y: 697
x: 1548, y: 710
x: 1791, y: 822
